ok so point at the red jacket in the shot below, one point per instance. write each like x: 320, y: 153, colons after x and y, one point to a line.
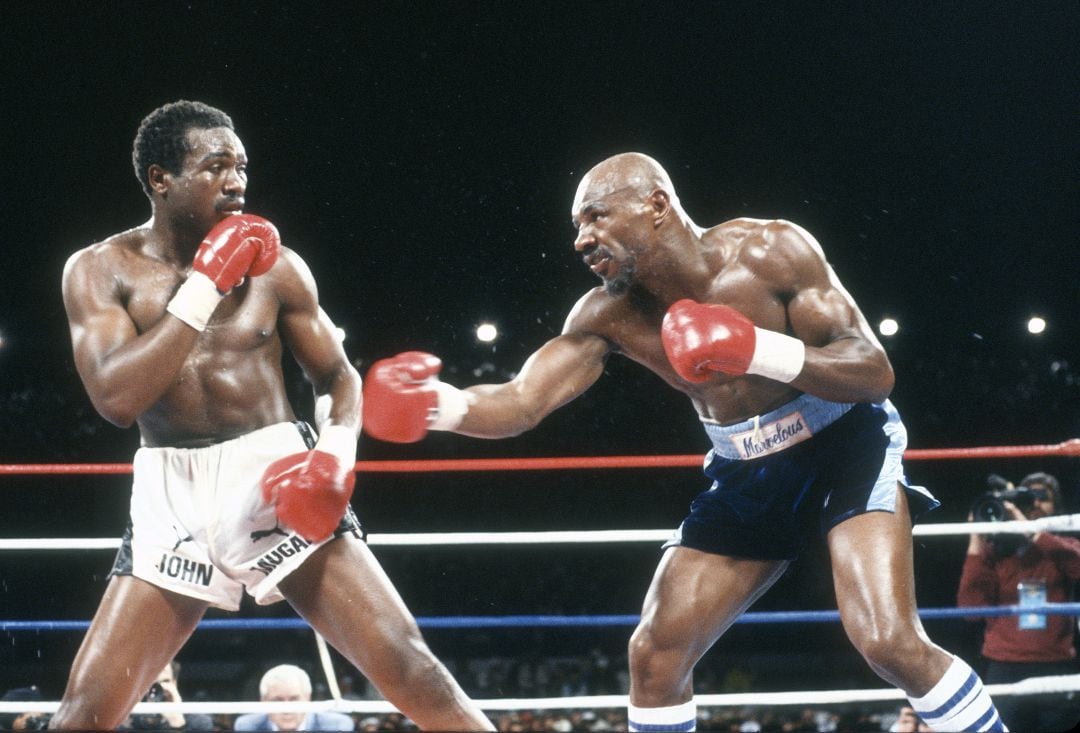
x: 991, y: 581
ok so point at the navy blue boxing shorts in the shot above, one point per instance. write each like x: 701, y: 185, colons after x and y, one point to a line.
x: 796, y: 472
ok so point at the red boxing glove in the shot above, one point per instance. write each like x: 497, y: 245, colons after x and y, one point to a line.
x: 239, y: 246
x: 403, y: 398
x: 242, y: 245
x: 700, y: 338
x: 311, y: 490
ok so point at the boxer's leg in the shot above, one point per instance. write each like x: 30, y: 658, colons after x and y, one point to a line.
x: 137, y: 630
x: 875, y: 590
x: 694, y: 597
x: 344, y: 594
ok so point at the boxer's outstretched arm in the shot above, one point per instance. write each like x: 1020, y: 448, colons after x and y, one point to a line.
x: 559, y: 371
x: 404, y: 398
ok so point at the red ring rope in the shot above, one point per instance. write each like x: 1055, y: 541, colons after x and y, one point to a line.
x: 1066, y: 448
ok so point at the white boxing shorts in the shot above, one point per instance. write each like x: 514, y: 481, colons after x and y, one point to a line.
x: 200, y: 528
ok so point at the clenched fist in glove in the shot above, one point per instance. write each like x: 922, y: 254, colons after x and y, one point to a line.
x: 239, y: 246
x: 311, y: 490
x: 403, y: 398
x: 700, y: 338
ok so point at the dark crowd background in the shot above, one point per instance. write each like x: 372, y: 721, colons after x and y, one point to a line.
x: 422, y: 158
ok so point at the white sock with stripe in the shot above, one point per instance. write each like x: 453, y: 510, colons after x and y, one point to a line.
x: 958, y: 702
x: 675, y: 717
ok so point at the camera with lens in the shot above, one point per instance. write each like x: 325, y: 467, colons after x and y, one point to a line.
x: 990, y: 507
x: 154, y: 721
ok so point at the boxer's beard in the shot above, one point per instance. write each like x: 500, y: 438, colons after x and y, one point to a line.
x: 622, y: 281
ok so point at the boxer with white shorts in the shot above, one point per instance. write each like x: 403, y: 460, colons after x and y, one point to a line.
x: 199, y: 525
x: 179, y: 325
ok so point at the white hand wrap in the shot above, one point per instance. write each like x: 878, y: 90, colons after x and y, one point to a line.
x: 453, y: 404
x: 777, y: 356
x: 340, y: 442
x: 195, y: 301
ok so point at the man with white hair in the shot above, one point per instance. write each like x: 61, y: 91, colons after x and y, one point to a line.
x: 289, y: 683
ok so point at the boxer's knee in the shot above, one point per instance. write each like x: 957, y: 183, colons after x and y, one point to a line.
x: 660, y: 668
x: 411, y: 666
x: 899, y: 653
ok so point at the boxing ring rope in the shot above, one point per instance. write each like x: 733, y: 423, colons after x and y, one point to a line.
x: 1058, y: 523
x: 579, y: 621
x: 1041, y: 685
x: 1069, y: 447
x: 1030, y: 686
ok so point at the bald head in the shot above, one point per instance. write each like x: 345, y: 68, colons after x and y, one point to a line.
x: 626, y: 171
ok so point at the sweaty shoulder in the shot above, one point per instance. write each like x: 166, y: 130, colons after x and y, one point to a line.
x: 594, y: 313
x: 619, y: 321
x: 116, y: 256
x: 293, y: 281
x: 777, y: 251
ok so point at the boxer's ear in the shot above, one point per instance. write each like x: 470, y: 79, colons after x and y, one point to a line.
x: 660, y: 203
x: 158, y: 179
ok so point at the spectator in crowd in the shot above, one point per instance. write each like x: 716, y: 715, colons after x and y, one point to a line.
x: 1043, y: 566
x: 23, y: 721
x: 289, y: 683
x: 907, y: 721
x: 165, y: 689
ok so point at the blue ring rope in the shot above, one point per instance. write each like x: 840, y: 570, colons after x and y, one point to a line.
x: 476, y: 622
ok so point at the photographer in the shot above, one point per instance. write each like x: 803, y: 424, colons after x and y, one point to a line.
x: 1047, y: 565
x: 164, y: 689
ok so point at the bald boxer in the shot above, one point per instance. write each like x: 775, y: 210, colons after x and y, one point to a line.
x: 178, y: 325
x: 748, y: 320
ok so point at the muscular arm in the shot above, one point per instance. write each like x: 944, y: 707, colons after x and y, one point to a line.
x: 311, y: 337
x: 844, y: 360
x: 124, y: 372
x: 559, y: 371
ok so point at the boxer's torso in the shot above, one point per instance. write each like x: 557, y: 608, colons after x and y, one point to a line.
x: 744, y: 278
x: 231, y: 382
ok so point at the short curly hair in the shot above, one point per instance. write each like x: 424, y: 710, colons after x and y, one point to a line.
x: 162, y: 136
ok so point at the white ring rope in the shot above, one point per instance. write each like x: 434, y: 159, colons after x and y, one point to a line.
x: 1062, y: 523
x: 1038, y: 685
x: 327, y: 666
x: 1030, y: 686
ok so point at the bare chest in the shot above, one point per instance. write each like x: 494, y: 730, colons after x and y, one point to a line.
x: 244, y: 320
x: 723, y: 398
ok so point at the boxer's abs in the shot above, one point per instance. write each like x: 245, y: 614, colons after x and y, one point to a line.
x: 218, y: 400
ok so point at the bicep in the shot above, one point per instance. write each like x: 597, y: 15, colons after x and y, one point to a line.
x: 98, y: 322
x: 819, y: 308
x: 820, y: 316
x: 564, y: 367
x: 305, y: 328
x: 312, y: 339
x: 555, y: 374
